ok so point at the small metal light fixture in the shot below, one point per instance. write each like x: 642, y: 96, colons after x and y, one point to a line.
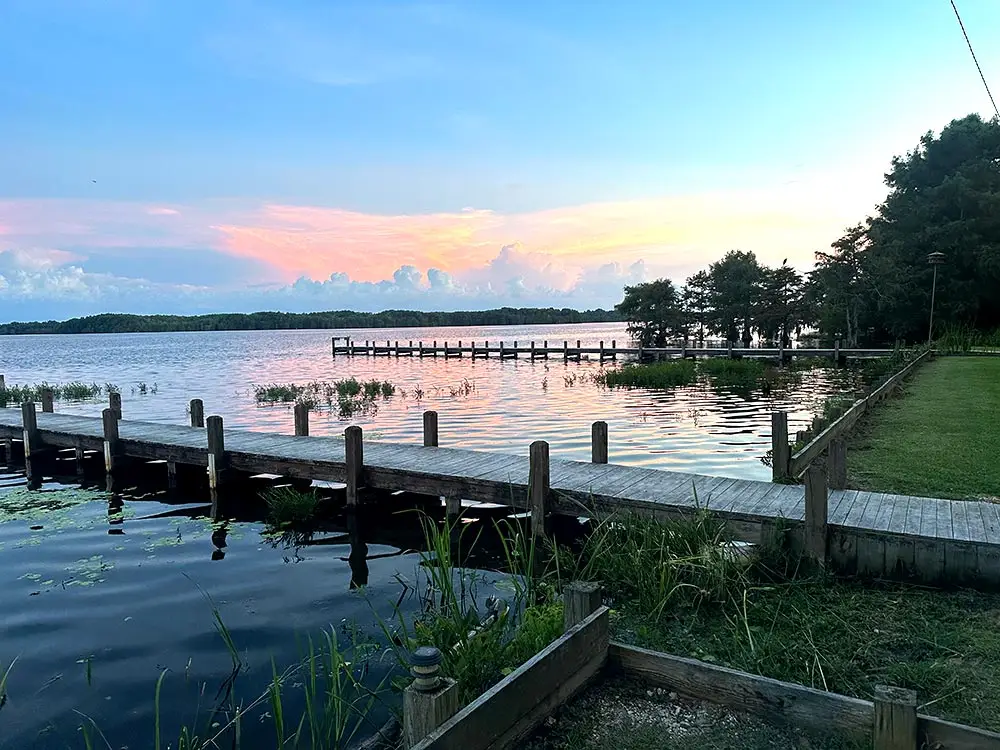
x: 424, y: 665
x: 935, y: 259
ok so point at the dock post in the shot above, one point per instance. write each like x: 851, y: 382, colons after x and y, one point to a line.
x: 532, y: 351
x: 216, y: 452
x: 111, y: 444
x: 3, y: 383
x: 578, y: 355
x: 171, y: 474
x: 446, y: 350
x: 836, y: 352
x: 599, y: 442
x: 197, y: 409
x: 838, y: 464
x: 781, y: 351
x: 420, y: 346
x: 115, y: 403
x: 435, y: 349
x: 545, y: 348
x: 816, y: 512
x: 538, y: 485
x: 501, y: 350
x: 580, y: 600
x: 895, y: 726
x: 397, y: 347
x: 780, y: 450
x: 29, y: 426
x: 430, y: 700
x: 639, y: 355
x: 80, y: 457
x: 301, y: 411
x: 430, y: 429
x: 601, y: 355
x: 354, y: 461
x: 515, y: 350
x: 473, y: 349
x: 729, y: 349
x: 565, y: 351
x: 47, y: 401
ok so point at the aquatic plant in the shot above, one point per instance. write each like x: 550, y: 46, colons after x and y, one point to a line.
x: 667, y: 374
x: 348, y: 396
x: 733, y: 373
x: 287, y: 506
x: 74, y: 391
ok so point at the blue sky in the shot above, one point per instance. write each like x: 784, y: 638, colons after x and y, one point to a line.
x: 229, y: 155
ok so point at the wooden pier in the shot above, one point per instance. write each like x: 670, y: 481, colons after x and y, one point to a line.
x: 866, y: 532
x: 341, y: 346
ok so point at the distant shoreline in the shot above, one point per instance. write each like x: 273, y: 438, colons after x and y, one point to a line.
x: 333, y: 320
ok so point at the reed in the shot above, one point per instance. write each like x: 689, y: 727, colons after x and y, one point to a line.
x: 289, y: 508
x: 668, y: 374
x: 74, y: 391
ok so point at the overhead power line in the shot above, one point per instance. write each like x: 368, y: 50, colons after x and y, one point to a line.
x: 975, y: 59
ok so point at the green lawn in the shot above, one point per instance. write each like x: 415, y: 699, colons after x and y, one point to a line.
x: 941, y: 438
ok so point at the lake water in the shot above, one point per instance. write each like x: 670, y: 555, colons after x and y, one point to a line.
x: 100, y: 592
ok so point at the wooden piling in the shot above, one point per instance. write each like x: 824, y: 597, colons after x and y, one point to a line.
x: 48, y: 405
x: 729, y: 349
x: 171, y: 474
x: 601, y: 355
x: 112, y: 448
x: 115, y: 404
x: 79, y: 455
x: 565, y: 351
x: 532, y: 350
x: 397, y: 347
x: 837, y: 459
x: 895, y: 726
x: 599, y: 442
x: 197, y: 409
x: 580, y: 600
x: 354, y: 462
x: 427, y: 708
x: 216, y: 452
x: 29, y: 430
x: 816, y: 516
x: 430, y: 429
x: 836, y: 351
x: 781, y: 452
x: 538, y: 485
x: 614, y: 349
x: 301, y: 416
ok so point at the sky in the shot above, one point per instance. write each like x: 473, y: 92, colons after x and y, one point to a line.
x: 182, y: 156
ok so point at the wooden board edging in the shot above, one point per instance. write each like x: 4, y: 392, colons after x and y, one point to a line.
x: 520, y: 702
x: 783, y: 702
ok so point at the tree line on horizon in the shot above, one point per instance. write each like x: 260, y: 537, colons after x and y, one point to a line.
x: 874, y: 283
x: 333, y: 319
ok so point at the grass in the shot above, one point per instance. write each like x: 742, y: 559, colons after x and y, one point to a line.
x: 452, y: 614
x: 657, y: 375
x: 965, y: 339
x: 289, y: 508
x: 75, y: 391
x: 941, y: 439
x: 734, y: 373
x: 349, y: 396
x: 673, y: 591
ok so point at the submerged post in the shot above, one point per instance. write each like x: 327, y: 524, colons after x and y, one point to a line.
x: 780, y: 450
x: 111, y: 446
x: 580, y: 600
x: 197, y: 409
x: 115, y: 403
x: 301, y: 412
x: 216, y: 452
x: 816, y: 512
x: 538, y: 485
x: 430, y: 429
x: 354, y: 462
x: 599, y: 442
x: 895, y: 726
x: 430, y: 700
x: 838, y: 464
x: 47, y: 401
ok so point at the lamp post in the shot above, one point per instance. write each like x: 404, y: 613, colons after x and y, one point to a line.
x: 934, y: 259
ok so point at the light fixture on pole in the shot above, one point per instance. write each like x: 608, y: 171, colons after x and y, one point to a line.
x: 935, y: 259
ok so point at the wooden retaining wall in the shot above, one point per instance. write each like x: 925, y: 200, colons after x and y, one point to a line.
x: 785, y: 465
x: 520, y: 703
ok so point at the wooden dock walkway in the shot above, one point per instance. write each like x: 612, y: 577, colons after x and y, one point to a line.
x: 869, y: 532
x: 567, y: 352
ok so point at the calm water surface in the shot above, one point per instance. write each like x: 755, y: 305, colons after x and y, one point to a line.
x: 106, y: 579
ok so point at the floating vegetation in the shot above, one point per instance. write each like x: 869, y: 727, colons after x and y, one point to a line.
x: 75, y: 391
x: 734, y: 373
x: 350, y: 396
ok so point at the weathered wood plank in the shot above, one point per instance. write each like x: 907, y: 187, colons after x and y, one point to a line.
x: 520, y: 702
x: 778, y: 702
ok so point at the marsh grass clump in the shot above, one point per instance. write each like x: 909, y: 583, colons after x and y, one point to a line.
x: 964, y: 338
x: 348, y: 396
x: 287, y: 507
x: 734, y: 373
x: 75, y: 391
x: 480, y: 639
x: 667, y: 374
